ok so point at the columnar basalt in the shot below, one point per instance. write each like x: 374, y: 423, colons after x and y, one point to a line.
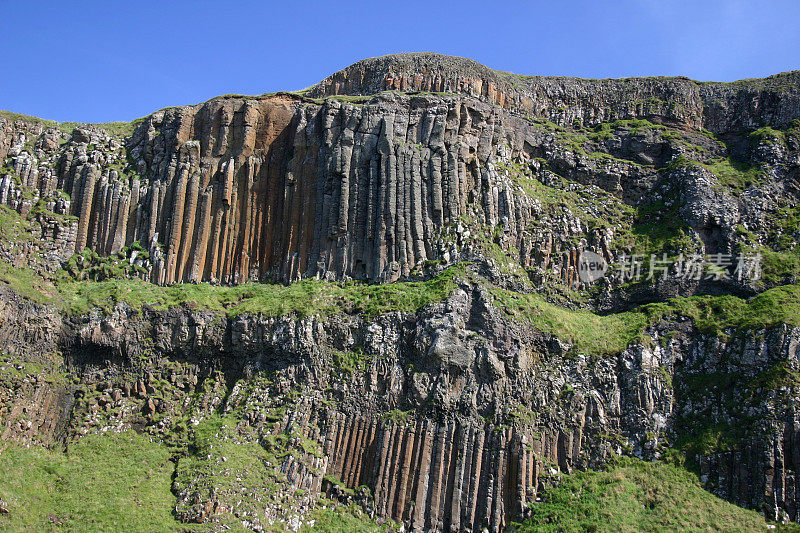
x: 448, y: 410
x: 283, y: 187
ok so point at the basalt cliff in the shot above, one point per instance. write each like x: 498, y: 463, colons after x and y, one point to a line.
x: 367, y: 295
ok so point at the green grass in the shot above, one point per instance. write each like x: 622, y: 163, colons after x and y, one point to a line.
x: 345, y: 519
x: 734, y: 174
x: 659, y: 229
x: 398, y: 417
x: 103, y: 483
x: 121, y: 129
x: 589, y: 332
x: 731, y: 174
x: 11, y: 116
x: 115, y: 482
x: 778, y: 267
x: 780, y: 261
x: 90, y: 281
x: 351, y: 361
x: 713, y: 314
x: 248, y: 474
x: 594, y: 206
x: 608, y: 334
x: 704, y: 431
x: 605, y: 130
x: 27, y: 283
x: 632, y: 496
x: 303, y: 298
x: 768, y: 135
x: 14, y: 227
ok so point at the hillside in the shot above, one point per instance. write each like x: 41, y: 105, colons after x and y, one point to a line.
x: 368, y: 303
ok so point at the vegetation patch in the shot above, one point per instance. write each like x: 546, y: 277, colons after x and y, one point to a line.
x: 303, y: 298
x: 660, y: 230
x: 608, y: 334
x: 105, y: 482
x: 350, y: 361
x: 398, y: 417
x: 633, y: 495
x: 714, y: 314
x: 588, y: 332
x: 735, y: 174
x: 329, y: 517
x: 121, y: 129
x: 221, y: 464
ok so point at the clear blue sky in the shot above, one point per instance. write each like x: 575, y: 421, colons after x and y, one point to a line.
x: 102, y: 61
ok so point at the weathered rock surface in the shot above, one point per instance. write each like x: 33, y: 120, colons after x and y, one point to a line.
x: 453, y: 417
x: 286, y: 186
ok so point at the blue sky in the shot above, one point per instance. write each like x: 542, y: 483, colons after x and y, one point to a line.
x: 103, y: 61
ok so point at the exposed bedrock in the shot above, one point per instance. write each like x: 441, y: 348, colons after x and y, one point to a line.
x: 454, y: 416
x: 718, y: 107
x: 284, y: 186
x: 454, y: 420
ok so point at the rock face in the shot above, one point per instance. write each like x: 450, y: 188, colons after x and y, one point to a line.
x: 453, y: 422
x: 456, y: 415
x: 283, y: 187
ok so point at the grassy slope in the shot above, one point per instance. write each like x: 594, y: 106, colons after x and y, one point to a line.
x: 104, y: 483
x: 109, y: 482
x: 637, y: 496
x: 344, y: 519
x: 112, y: 482
x: 123, y: 129
x: 607, y: 334
x: 589, y: 332
x: 303, y: 298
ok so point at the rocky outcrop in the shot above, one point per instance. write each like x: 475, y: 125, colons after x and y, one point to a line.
x: 282, y: 187
x: 453, y: 418
x: 457, y: 415
x: 719, y: 107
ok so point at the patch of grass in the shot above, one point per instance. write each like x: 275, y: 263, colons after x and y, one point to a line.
x: 220, y: 463
x: 588, y: 332
x: 768, y: 135
x: 608, y: 334
x: 88, y: 265
x: 735, y: 174
x: 732, y: 174
x: 780, y: 256
x: 780, y: 374
x: 121, y: 129
x: 606, y: 130
x: 398, y: 417
x: 27, y: 283
x: 49, y: 368
x: 11, y: 116
x: 350, y: 361
x: 713, y: 314
x: 103, y: 483
x: 594, y: 206
x: 13, y: 226
x: 633, y: 495
x: 303, y: 298
x: 355, y: 99
x: 659, y: 229
x: 703, y: 430
x: 332, y: 518
x: 351, y: 99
